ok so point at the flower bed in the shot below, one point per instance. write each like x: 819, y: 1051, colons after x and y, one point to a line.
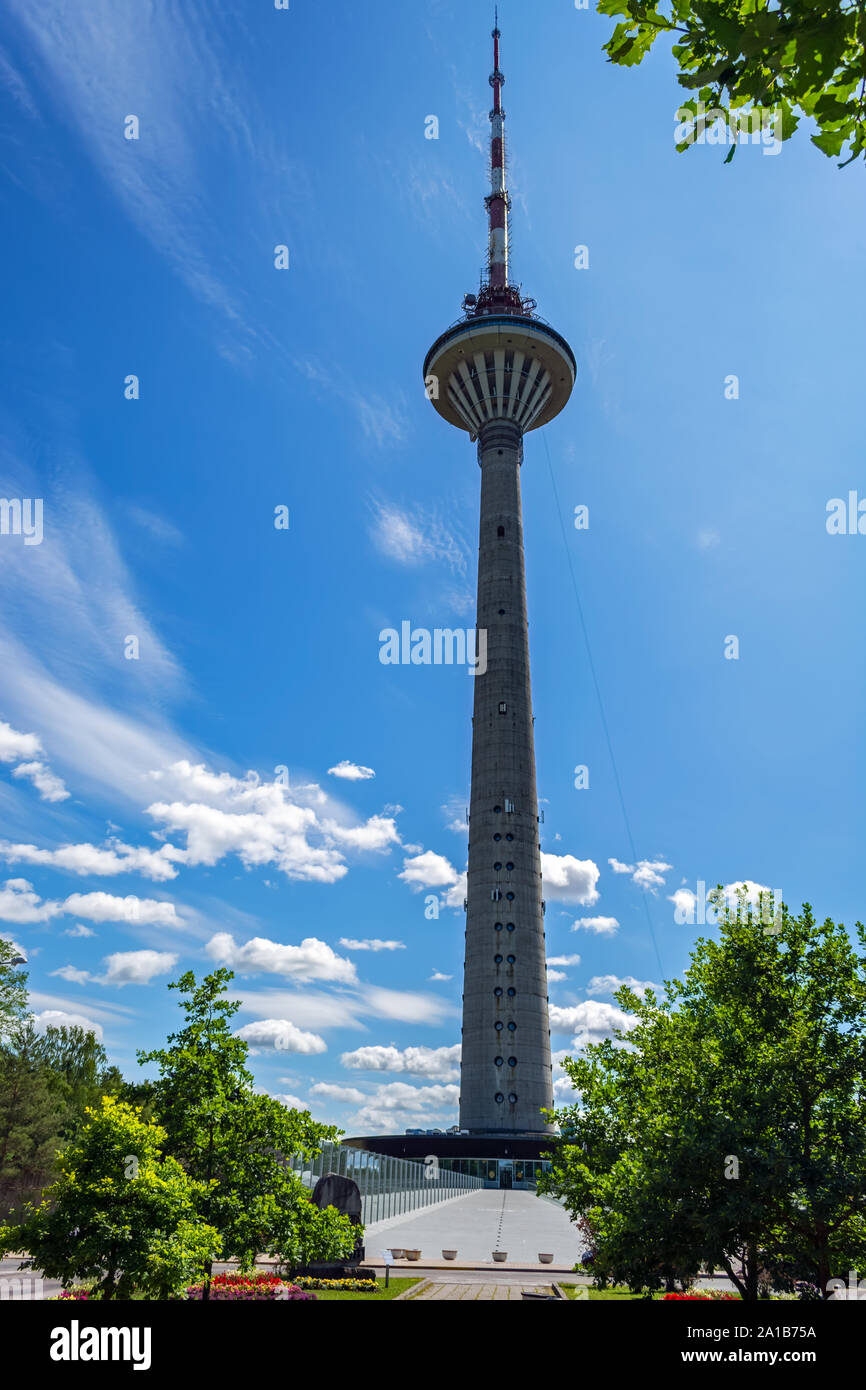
x: 702, y: 1297
x: 306, y: 1281
x: 237, y: 1288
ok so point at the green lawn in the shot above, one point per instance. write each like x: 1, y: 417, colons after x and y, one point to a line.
x: 617, y: 1294
x: 396, y: 1286
x: 602, y: 1295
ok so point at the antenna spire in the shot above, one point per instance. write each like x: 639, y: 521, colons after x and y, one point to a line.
x: 497, y: 200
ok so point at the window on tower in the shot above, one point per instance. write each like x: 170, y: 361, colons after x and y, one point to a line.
x: 500, y: 530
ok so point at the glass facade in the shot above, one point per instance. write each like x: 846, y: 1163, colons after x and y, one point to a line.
x: 396, y: 1186
x: 388, y: 1186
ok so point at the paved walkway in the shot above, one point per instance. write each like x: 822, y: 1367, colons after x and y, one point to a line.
x: 440, y: 1291
x: 518, y: 1223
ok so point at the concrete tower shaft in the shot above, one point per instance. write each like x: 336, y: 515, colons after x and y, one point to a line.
x: 506, y: 1070
x: 499, y: 373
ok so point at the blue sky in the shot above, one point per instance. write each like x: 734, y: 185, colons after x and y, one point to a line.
x: 136, y: 838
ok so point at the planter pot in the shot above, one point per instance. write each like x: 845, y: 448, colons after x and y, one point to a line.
x: 398, y: 1254
x: 500, y: 1255
x: 412, y: 1254
x: 449, y: 1254
x: 545, y: 1259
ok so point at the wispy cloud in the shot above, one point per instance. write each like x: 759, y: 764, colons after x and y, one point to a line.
x: 411, y: 536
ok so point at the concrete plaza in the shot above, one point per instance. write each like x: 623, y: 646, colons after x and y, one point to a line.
x: 519, y: 1223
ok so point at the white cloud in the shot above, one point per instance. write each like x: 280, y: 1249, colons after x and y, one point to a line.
x: 437, y: 975
x: 72, y: 974
x: 376, y: 834
x: 278, y: 1035
x: 306, y: 1008
x: 620, y: 868
x: 601, y: 926
x: 105, y: 907
x: 264, y: 823
x: 753, y: 891
x: 568, y: 879
x: 373, y: 944
x: 311, y: 960
x: 609, y: 984
x: 555, y: 976
x: 20, y: 903
x: 291, y: 1102
x: 351, y: 772
x: 404, y: 1006
x: 435, y: 1063
x: 428, y: 870
x: 650, y: 873
x: 391, y: 1105
x: 707, y: 538
x: 591, y: 1021
x: 684, y: 901
x: 59, y: 1018
x: 563, y: 960
x: 49, y: 787
x: 124, y: 968
x: 117, y: 858
x: 15, y: 745
x: 79, y: 930
x: 647, y: 873
x: 182, y: 78
x: 157, y: 526
x: 330, y: 1091
x: 136, y: 967
x: 414, y: 538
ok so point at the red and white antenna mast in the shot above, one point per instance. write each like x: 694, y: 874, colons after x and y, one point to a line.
x: 497, y: 296
x: 497, y: 200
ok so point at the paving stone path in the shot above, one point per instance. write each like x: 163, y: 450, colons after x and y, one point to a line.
x: 453, y: 1291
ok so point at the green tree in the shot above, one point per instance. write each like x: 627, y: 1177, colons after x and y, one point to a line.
x: 47, y: 1081
x: 730, y: 1131
x: 799, y: 57
x: 78, y: 1065
x: 119, y: 1213
x: 236, y: 1141
x: 30, y: 1125
x: 13, y: 989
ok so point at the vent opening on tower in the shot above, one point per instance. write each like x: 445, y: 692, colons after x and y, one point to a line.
x: 500, y: 530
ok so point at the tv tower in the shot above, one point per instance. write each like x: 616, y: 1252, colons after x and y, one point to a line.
x: 498, y: 373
